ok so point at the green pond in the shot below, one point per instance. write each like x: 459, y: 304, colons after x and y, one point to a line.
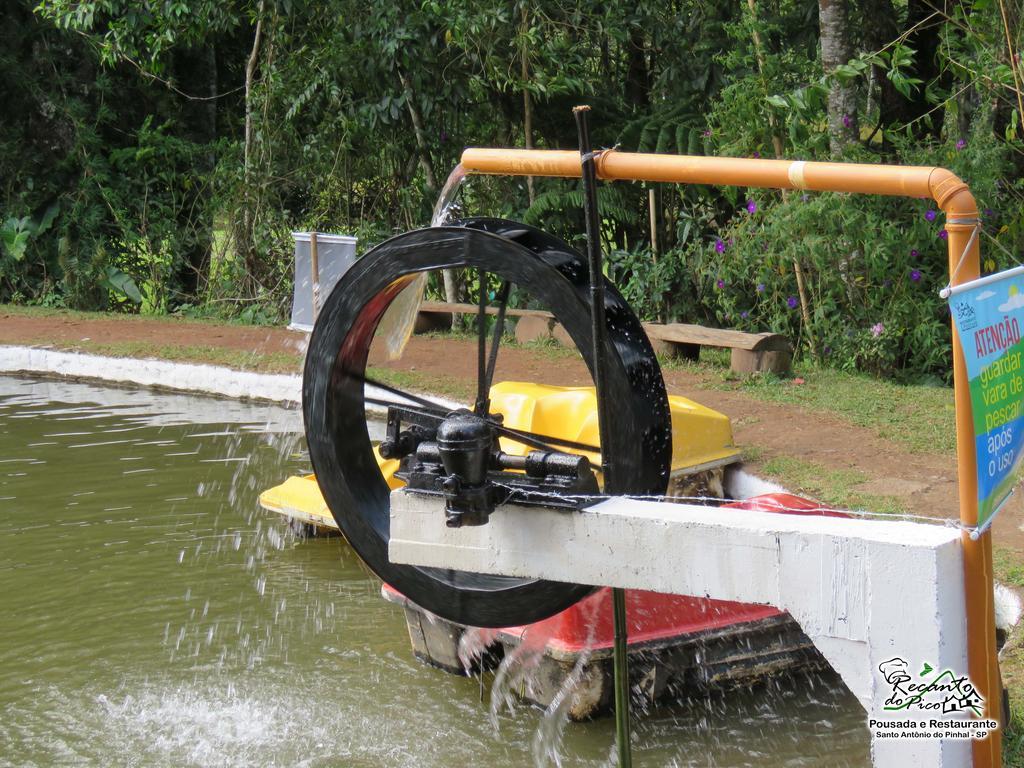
x: 151, y: 614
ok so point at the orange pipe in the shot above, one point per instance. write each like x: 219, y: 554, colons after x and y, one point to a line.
x: 982, y: 664
x: 954, y: 197
x: 911, y: 181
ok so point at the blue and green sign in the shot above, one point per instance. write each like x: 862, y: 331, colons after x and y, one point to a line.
x: 989, y: 316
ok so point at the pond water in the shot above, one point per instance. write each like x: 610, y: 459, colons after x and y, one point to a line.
x: 153, y: 615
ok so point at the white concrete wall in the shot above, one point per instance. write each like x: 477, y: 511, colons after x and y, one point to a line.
x: 284, y: 389
x: 863, y: 590
x: 162, y: 374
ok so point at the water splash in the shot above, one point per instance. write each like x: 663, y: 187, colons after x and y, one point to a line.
x: 526, y: 674
x: 445, y: 208
x: 399, y: 320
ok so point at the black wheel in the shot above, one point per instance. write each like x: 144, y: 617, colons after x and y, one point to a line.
x: 335, y: 417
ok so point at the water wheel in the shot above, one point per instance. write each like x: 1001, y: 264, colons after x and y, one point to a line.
x: 334, y: 400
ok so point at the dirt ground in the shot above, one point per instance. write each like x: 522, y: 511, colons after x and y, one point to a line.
x: 924, y: 483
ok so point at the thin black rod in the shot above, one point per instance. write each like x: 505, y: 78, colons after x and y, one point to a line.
x: 431, y: 413
x: 597, y: 319
x: 620, y: 662
x: 598, y: 334
x: 438, y: 411
x: 544, y: 442
x: 499, y: 331
x: 422, y: 401
x: 482, y: 387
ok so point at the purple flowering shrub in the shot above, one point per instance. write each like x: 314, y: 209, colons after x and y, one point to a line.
x: 872, y: 267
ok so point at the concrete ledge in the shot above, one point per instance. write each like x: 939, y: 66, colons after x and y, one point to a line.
x: 219, y: 381
x: 863, y: 590
x: 158, y: 374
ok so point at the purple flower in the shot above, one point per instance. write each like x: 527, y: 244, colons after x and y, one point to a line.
x: 751, y: 206
x: 756, y: 154
x: 877, y: 330
x: 847, y: 121
x: 960, y: 144
x: 719, y: 245
x: 989, y: 213
x: 929, y: 215
x: 720, y: 283
x: 913, y: 253
x: 943, y: 234
x: 707, y: 133
x: 915, y: 275
x: 744, y: 314
x: 827, y: 350
x: 791, y: 302
x: 760, y: 287
x: 804, y: 197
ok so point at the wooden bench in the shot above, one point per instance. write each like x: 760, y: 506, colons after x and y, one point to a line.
x: 437, y: 315
x: 751, y: 352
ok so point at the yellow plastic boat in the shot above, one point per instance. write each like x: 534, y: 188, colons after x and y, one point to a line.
x: 702, y: 445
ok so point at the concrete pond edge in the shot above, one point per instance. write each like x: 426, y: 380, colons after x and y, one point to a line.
x: 198, y: 378
x: 164, y: 375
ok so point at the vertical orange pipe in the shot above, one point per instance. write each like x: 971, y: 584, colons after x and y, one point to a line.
x: 956, y: 200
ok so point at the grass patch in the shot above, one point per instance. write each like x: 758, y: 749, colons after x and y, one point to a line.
x: 835, y: 487
x: 1013, y: 739
x: 22, y: 310
x: 1009, y: 570
x: 416, y: 381
x: 263, y: 362
x: 32, y: 311
x: 1011, y: 666
x: 753, y: 454
x: 1008, y: 567
x: 920, y: 417
x: 547, y: 347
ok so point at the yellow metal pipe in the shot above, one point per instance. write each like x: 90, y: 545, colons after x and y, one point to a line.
x: 954, y: 197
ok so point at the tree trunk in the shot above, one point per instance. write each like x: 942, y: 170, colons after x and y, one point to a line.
x: 1011, y: 58
x: 524, y: 72
x: 195, y: 217
x: 638, y: 80
x: 420, y: 133
x: 777, y: 146
x: 759, y: 55
x: 250, y: 75
x: 925, y: 41
x: 881, y: 27
x: 244, y: 236
x: 836, y: 49
x: 450, y: 277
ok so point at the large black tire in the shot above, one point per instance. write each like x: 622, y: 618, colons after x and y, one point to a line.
x: 335, y: 418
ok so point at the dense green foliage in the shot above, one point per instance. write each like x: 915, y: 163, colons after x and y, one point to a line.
x: 156, y: 155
